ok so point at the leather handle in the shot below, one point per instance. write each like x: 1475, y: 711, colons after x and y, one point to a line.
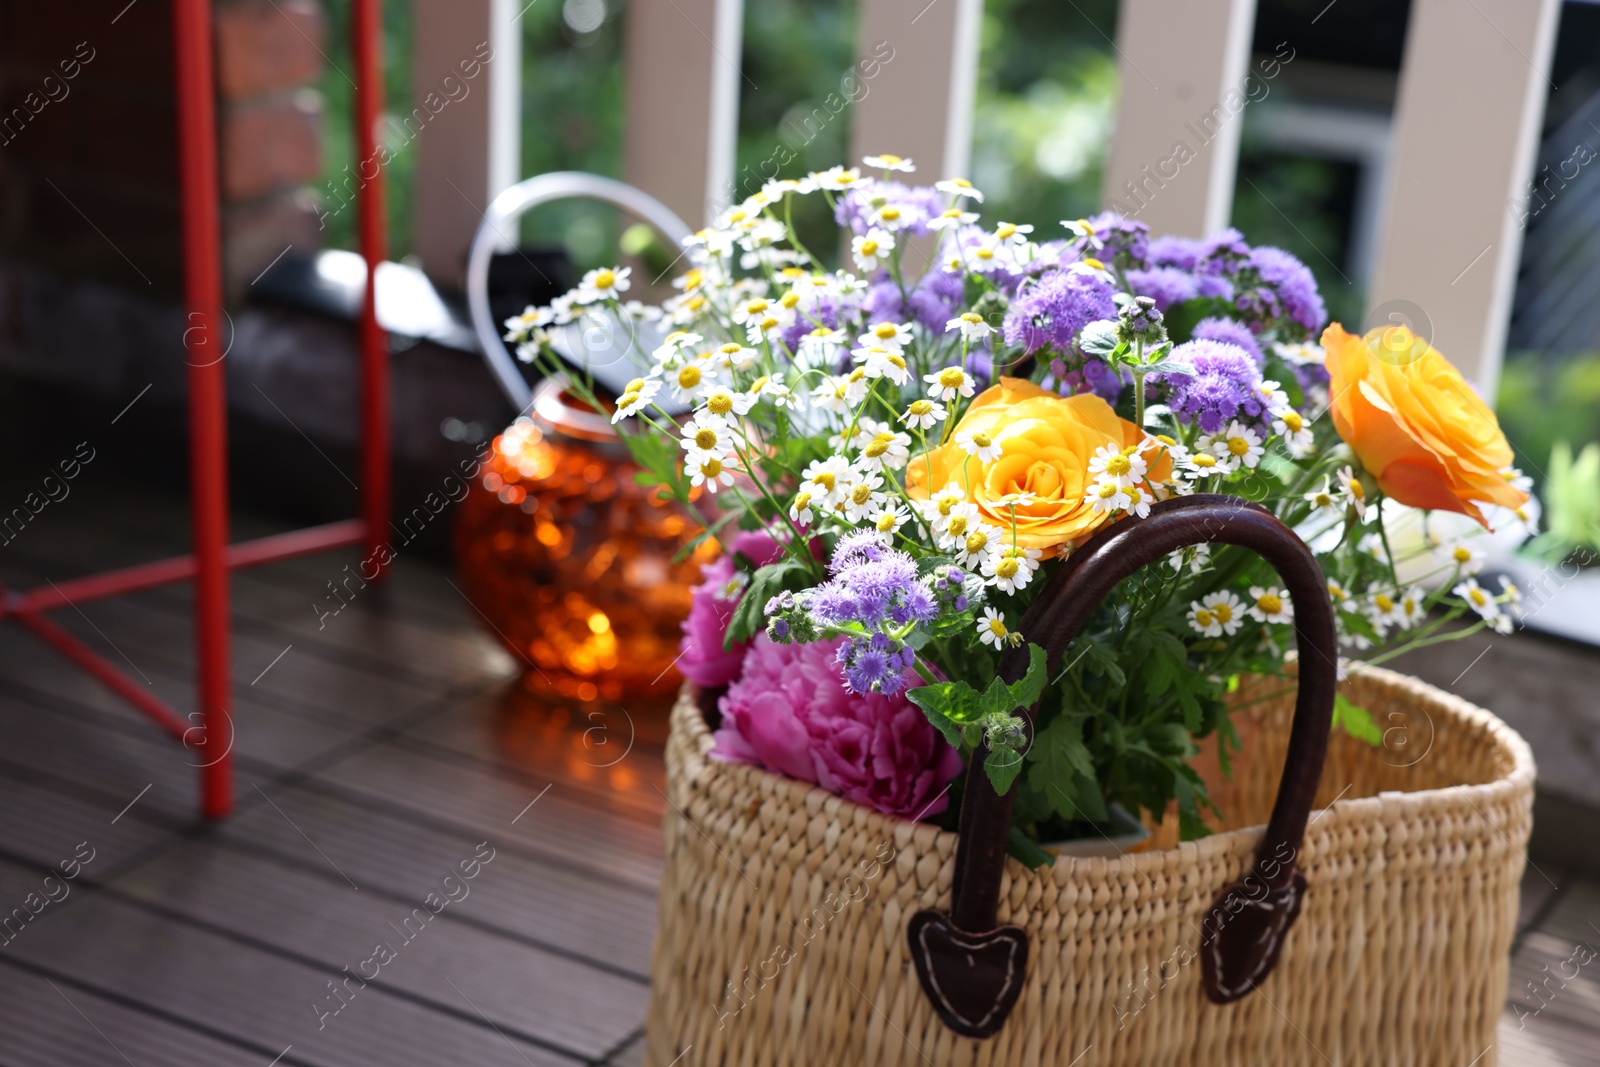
x: 1244, y: 930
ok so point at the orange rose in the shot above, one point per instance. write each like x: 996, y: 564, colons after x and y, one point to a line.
x: 1415, y: 423
x: 1045, y: 442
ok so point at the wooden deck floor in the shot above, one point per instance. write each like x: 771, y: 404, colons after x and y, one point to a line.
x: 376, y: 754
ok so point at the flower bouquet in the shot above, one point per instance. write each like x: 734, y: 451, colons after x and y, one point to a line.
x: 897, y: 454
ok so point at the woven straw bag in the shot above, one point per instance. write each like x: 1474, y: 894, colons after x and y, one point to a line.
x: 1365, y: 912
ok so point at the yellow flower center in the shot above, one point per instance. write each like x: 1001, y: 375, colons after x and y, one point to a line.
x: 920, y: 408
x: 984, y: 253
x: 977, y: 541
x: 1093, y: 264
x: 1293, y: 421
x: 878, y: 445
x: 885, y: 331
x: 1134, y: 496
x: 1270, y: 603
x: 857, y: 374
x: 896, y: 359
x: 768, y: 324
x: 720, y: 403
x: 1005, y: 231
x: 886, y: 522
x: 951, y: 213
x: 756, y: 307
x: 1083, y: 224
x: 1409, y: 605
x: 1356, y: 490
x: 824, y: 479
x: 628, y: 399
x: 1118, y: 465
x: 1006, y: 568
x: 711, y: 467
x: 731, y: 348
x: 889, y: 214
x: 1462, y: 554
x: 737, y: 215
x: 860, y: 493
x: 1107, y: 490
x: 869, y: 247
x: 1203, y: 617
x: 952, y: 378
x: 1223, y: 613
x: 1238, y: 446
x: 982, y: 440
x: 605, y: 279
x: 997, y: 627
x: 1204, y: 460
x: 1323, y: 500
x: 958, y: 525
x: 1383, y: 602
x: 890, y: 160
x: 695, y: 303
x: 689, y: 377
x: 790, y: 299
x: 705, y: 439
x: 635, y: 385
x: 802, y: 501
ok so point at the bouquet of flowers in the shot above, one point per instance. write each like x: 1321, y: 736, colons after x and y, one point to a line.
x: 896, y: 454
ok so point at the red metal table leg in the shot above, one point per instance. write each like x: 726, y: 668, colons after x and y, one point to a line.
x: 208, y: 459
x: 367, y: 42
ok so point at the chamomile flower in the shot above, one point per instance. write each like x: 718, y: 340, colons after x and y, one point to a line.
x: 1354, y: 494
x: 1107, y: 495
x: 988, y: 256
x: 637, y: 395
x: 1196, y: 558
x: 724, y: 403
x: 837, y: 179
x: 978, y: 443
x: 1273, y: 396
x: 1012, y: 232
x: 1093, y: 268
x: 675, y: 346
x: 979, y: 541
x: 1139, y: 501
x: 885, y: 449
x: 1203, y: 464
x: 1484, y: 603
x: 734, y: 355
x: 1270, y: 604
x: 952, y: 527
x: 949, y: 383
x: 890, y: 163
x: 829, y: 395
x: 992, y: 630
x: 518, y: 327
x: 1291, y: 426
x: 821, y: 347
x: 887, y: 515
x: 707, y: 435
x: 800, y: 509
x: 936, y: 510
x: 924, y: 414
x: 1341, y: 596
x: 1509, y: 593
x: 1124, y: 466
x: 871, y: 249
x: 1239, y: 443
x: 1411, y: 608
x: 861, y: 495
x: 1464, y: 557
x: 889, y: 217
x: 708, y: 471
x: 1323, y: 498
x: 1084, y: 231
x: 959, y: 187
x: 1217, y: 614
x: 825, y: 480
x: 952, y: 218
x: 603, y: 283
x: 881, y: 362
x: 1515, y: 478
x: 972, y: 325
x: 1010, y: 567
x: 895, y: 335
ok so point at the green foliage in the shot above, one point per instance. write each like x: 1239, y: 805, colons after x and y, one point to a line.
x: 1355, y: 721
x: 1571, y: 503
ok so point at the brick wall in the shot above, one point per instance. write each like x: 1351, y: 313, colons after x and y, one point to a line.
x: 88, y: 150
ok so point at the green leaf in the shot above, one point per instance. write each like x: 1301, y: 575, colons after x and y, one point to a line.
x: 1099, y: 338
x: 1099, y: 659
x: 1026, y: 693
x: 949, y: 706
x: 699, y: 538
x: 1355, y: 721
x: 997, y: 698
x: 1062, y: 759
x: 767, y: 582
x: 1026, y: 851
x: 1002, y: 767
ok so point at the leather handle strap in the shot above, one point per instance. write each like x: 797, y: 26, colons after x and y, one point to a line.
x: 1244, y: 930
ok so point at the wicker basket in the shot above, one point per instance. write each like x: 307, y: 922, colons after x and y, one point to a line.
x: 784, y: 912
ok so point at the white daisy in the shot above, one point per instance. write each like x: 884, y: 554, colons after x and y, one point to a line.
x: 992, y: 630
x: 1515, y: 478
x: 1203, y: 464
x: 924, y: 414
x: 1196, y: 557
x: 1354, y: 493
x: 861, y: 494
x: 637, y: 395
x: 1010, y: 567
x: 1463, y: 556
x: 1323, y: 498
x: 1139, y: 501
x: 1084, y: 231
x: 603, y: 283
x: 708, y: 471
x: 980, y: 444
x: 959, y: 187
x: 734, y: 355
x: 837, y: 179
x: 1224, y: 610
x: 890, y: 163
x: 895, y: 335
x: 979, y: 541
x: 1270, y: 604
x: 885, y: 449
x: 1240, y: 443
x: 826, y: 479
x: 887, y: 515
x: 1411, y: 608
x: 800, y: 510
x: 1092, y: 267
x: 1107, y: 495
x: 675, y: 346
x: 726, y: 404
x: 951, y: 528
x: 1120, y: 465
x: 949, y: 383
x: 1012, y: 232
x: 952, y: 217
x: 1382, y: 607
x: 707, y: 435
x: 1291, y: 426
x: 1484, y: 603
x: 871, y: 249
x: 881, y: 362
x: 972, y: 325
x: 821, y: 347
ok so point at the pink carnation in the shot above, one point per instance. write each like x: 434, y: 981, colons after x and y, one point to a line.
x: 704, y: 661
x: 790, y: 712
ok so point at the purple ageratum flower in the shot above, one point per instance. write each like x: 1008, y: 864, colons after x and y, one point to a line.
x: 1224, y: 252
x: 1181, y: 252
x: 876, y: 664
x: 1123, y: 240
x: 1217, y: 328
x: 1294, y: 285
x: 873, y: 592
x: 1165, y: 285
x: 826, y: 312
x: 1055, y: 308
x: 933, y: 301
x: 917, y: 205
x: 1225, y: 385
x: 858, y: 547
x: 1213, y: 285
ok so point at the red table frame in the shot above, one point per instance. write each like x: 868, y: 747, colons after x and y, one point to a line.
x: 211, y: 737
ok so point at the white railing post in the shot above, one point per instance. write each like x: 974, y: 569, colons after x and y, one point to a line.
x: 466, y: 86
x: 1472, y: 93
x: 683, y: 75
x: 1181, y: 67
x: 923, y: 58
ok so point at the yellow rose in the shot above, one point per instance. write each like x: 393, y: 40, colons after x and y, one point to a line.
x: 1415, y: 423
x: 1046, y: 442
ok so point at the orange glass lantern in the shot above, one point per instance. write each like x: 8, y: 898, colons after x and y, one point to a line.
x: 570, y: 560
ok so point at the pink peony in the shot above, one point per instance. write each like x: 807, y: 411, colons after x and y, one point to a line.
x: 790, y: 712
x: 704, y: 661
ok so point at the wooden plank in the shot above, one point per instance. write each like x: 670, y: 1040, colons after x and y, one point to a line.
x: 1181, y: 82
x: 1472, y: 91
x: 543, y: 901
x: 683, y: 82
x: 919, y: 103
x: 160, y: 965
x: 46, y: 826
x: 519, y: 988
